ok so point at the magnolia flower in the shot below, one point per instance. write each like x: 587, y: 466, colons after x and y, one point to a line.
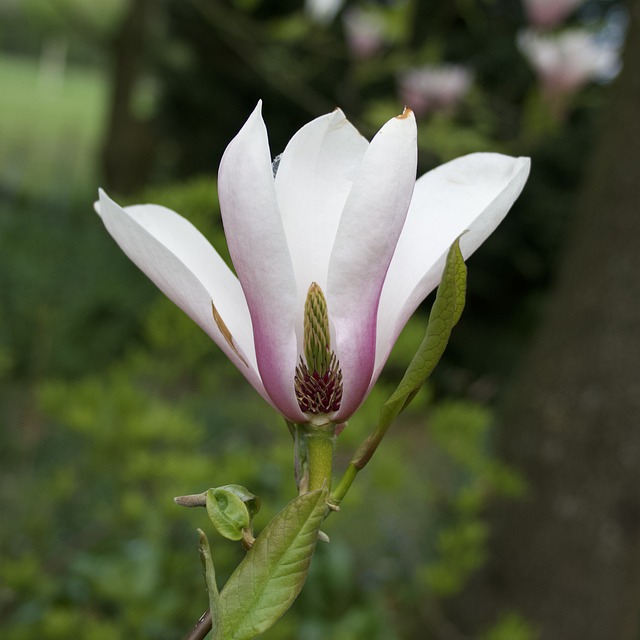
x: 333, y: 249
x: 434, y: 87
x: 567, y: 61
x: 548, y: 13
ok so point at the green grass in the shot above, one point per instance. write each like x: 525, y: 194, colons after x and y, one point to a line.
x: 50, y: 127
x: 63, y: 308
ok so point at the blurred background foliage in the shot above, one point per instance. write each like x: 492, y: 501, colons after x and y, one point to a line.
x: 112, y: 401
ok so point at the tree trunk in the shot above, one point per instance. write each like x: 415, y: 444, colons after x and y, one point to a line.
x: 128, y: 145
x: 568, y: 556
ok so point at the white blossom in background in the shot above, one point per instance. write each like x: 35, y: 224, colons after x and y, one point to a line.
x: 341, y: 234
x: 549, y: 13
x: 322, y: 11
x: 567, y: 61
x: 364, y: 32
x: 434, y: 87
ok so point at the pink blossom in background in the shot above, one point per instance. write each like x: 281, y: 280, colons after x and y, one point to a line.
x: 434, y: 87
x: 565, y: 62
x: 549, y: 13
x: 364, y: 32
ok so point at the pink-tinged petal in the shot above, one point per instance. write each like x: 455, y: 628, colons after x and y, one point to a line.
x: 368, y: 232
x: 314, y: 177
x: 189, y: 271
x: 472, y: 194
x: 259, y: 251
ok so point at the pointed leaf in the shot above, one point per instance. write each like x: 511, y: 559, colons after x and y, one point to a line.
x: 459, y: 269
x: 212, y: 587
x: 445, y: 314
x: 252, y: 501
x: 270, y: 577
x: 228, y: 512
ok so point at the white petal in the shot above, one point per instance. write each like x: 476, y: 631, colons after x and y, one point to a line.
x: 369, y: 228
x: 189, y: 271
x: 471, y: 193
x: 314, y: 177
x: 259, y: 251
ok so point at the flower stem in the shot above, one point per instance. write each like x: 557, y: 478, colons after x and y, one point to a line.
x: 320, y: 441
x: 338, y: 494
x: 360, y: 459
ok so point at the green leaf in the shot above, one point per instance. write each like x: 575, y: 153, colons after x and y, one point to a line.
x: 212, y: 587
x: 445, y: 314
x: 228, y: 512
x: 252, y: 501
x: 270, y: 577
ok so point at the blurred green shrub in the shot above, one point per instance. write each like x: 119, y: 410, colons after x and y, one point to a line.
x: 98, y: 549
x: 511, y: 627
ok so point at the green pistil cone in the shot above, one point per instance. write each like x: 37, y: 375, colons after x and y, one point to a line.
x: 318, y: 381
x: 317, y: 340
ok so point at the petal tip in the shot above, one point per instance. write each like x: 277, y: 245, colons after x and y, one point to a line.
x: 103, y: 196
x: 405, y: 123
x: 525, y: 162
x: 256, y: 114
x: 103, y: 201
x: 406, y: 113
x: 338, y: 115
